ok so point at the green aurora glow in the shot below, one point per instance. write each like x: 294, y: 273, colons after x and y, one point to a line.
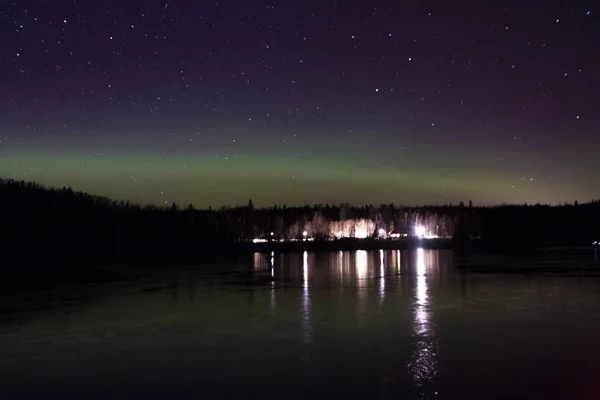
x: 205, y: 181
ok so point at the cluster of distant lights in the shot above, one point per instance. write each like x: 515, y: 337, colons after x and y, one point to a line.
x: 420, y: 232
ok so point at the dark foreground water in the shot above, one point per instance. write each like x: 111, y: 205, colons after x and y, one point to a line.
x: 361, y: 324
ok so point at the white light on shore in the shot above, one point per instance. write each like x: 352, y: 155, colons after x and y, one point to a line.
x: 420, y: 231
x: 360, y: 233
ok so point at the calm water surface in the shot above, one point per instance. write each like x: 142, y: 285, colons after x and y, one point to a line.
x: 359, y: 324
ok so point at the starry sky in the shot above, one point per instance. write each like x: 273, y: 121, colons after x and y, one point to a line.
x: 216, y: 102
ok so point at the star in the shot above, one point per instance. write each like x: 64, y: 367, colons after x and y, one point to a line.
x: 311, y: 96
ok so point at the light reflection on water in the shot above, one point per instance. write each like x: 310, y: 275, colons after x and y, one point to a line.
x: 397, y: 324
x: 362, y: 267
x: 362, y: 281
x: 423, y: 364
x: 376, y: 267
x: 306, y: 299
x: 381, y: 276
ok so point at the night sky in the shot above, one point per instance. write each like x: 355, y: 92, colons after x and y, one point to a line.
x: 216, y: 102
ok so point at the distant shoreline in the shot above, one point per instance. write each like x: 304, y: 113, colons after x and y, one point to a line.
x: 348, y: 245
x: 203, y: 252
x: 65, y: 230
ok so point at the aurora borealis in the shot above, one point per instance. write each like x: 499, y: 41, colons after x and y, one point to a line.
x: 296, y: 102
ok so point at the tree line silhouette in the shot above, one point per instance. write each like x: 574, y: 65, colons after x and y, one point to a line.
x: 42, y: 224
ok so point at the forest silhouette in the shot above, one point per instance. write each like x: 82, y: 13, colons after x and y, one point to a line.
x: 49, y: 225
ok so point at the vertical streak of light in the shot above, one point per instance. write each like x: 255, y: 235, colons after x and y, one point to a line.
x: 421, y: 282
x: 305, y: 271
x: 362, y: 266
x: 306, y: 300
x: 341, y: 267
x: 381, y: 276
x: 258, y: 261
x: 362, y: 270
x: 273, y: 299
x: 424, y: 364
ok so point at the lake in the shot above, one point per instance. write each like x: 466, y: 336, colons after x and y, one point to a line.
x: 378, y: 324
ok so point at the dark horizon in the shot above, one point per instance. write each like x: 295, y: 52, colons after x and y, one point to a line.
x: 66, y: 225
